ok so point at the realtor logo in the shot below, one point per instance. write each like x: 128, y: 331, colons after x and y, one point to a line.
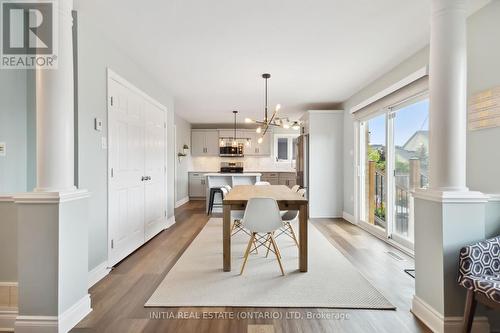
x: 28, y: 33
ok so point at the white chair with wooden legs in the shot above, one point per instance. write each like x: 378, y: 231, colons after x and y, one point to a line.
x: 236, y: 217
x: 262, y: 183
x: 288, y: 217
x: 295, y: 188
x: 262, y: 216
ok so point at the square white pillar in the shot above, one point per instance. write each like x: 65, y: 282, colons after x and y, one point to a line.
x: 52, y: 261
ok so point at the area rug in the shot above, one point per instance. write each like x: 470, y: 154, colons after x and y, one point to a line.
x: 197, y: 278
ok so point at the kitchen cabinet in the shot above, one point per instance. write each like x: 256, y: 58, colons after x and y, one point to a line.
x: 287, y: 178
x: 197, y: 185
x: 258, y: 149
x: 204, y: 143
x: 271, y: 177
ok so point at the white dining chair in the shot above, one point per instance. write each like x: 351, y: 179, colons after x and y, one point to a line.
x: 260, y: 183
x: 262, y: 216
x: 236, y: 216
x: 288, y: 217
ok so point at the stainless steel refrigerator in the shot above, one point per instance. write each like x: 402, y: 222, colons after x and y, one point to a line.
x: 302, y: 162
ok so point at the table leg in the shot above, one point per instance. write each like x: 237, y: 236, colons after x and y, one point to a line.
x: 303, y: 217
x: 226, y: 238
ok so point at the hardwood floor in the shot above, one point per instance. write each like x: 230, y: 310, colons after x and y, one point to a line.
x: 118, y: 300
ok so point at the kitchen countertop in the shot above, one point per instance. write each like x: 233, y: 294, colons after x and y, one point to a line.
x: 251, y: 171
x: 245, y: 174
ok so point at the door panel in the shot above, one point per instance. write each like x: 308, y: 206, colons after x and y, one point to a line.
x: 126, y: 191
x: 155, y: 218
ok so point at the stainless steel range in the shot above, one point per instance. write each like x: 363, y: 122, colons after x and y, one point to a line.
x: 231, y: 167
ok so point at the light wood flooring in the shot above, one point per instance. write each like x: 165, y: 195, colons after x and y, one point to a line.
x: 118, y: 300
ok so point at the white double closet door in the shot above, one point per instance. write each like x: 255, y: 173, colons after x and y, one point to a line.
x: 137, y: 168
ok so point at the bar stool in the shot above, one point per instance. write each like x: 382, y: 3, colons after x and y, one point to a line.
x: 211, y: 199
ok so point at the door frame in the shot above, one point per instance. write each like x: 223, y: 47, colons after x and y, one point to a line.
x: 112, y: 75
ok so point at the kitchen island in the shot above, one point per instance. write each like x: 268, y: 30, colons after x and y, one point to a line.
x: 217, y: 179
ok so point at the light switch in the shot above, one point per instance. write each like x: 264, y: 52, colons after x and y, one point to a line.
x: 97, y: 124
x: 104, y: 142
x: 3, y: 149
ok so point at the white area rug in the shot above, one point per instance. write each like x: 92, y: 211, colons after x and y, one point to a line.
x: 197, y: 278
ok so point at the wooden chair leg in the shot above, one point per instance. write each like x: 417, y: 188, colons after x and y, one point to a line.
x: 268, y: 245
x: 278, y: 256
x: 470, y: 309
x: 293, y: 234
x: 255, y: 246
x: 247, y: 252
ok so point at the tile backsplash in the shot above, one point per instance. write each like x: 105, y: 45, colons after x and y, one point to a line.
x: 212, y: 163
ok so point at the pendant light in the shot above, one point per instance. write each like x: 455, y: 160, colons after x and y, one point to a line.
x: 274, y: 120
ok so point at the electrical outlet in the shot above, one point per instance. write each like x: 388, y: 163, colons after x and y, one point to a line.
x: 98, y: 124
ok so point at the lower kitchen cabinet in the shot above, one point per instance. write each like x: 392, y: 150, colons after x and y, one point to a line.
x: 197, y: 185
x: 287, y: 178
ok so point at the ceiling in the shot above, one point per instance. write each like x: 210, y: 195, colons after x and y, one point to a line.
x: 210, y: 54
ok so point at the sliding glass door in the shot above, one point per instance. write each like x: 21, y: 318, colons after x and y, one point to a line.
x: 394, y: 147
x: 411, y: 151
x: 375, y: 194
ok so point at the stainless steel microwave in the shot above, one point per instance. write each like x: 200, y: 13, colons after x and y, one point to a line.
x: 232, y: 151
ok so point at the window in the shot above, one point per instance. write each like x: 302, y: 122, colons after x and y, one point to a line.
x: 285, y: 149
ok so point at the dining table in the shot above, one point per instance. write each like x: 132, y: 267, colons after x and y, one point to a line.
x: 287, y: 199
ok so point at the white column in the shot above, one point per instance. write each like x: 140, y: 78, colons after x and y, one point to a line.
x: 54, y: 113
x: 448, y: 96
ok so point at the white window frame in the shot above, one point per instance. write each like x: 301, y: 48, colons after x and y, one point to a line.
x: 289, y: 138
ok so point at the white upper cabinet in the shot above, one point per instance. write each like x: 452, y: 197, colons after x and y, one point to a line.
x: 204, y: 143
x: 212, y: 143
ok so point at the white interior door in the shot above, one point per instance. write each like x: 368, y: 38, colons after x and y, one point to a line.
x: 155, y: 213
x: 126, y: 169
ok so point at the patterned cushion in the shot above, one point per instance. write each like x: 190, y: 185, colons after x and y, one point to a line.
x: 480, y: 268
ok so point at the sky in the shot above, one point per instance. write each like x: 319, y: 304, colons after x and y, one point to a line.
x: 408, y: 120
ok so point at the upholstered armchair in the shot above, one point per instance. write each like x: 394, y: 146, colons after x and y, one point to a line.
x: 479, y: 273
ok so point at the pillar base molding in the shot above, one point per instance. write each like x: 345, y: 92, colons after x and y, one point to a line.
x: 441, y: 324
x: 55, y: 324
x: 451, y: 196
x: 7, y: 319
x: 50, y: 197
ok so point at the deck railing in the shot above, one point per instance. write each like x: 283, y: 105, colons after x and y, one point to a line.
x: 405, y: 183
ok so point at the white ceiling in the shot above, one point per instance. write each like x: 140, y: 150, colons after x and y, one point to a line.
x: 211, y: 53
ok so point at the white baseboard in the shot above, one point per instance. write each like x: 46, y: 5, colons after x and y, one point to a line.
x: 74, y: 314
x: 7, y: 319
x: 325, y: 217
x: 440, y: 324
x: 98, y: 273
x: 170, y: 222
x: 36, y: 324
x: 181, y: 202
x: 54, y: 324
x: 348, y: 217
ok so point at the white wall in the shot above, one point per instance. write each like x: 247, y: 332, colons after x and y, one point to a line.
x: 325, y: 166
x: 8, y: 240
x: 483, y: 154
x: 13, y: 130
x: 95, y: 54
x: 183, y: 136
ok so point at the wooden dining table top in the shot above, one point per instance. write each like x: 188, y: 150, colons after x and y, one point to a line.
x: 281, y: 193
